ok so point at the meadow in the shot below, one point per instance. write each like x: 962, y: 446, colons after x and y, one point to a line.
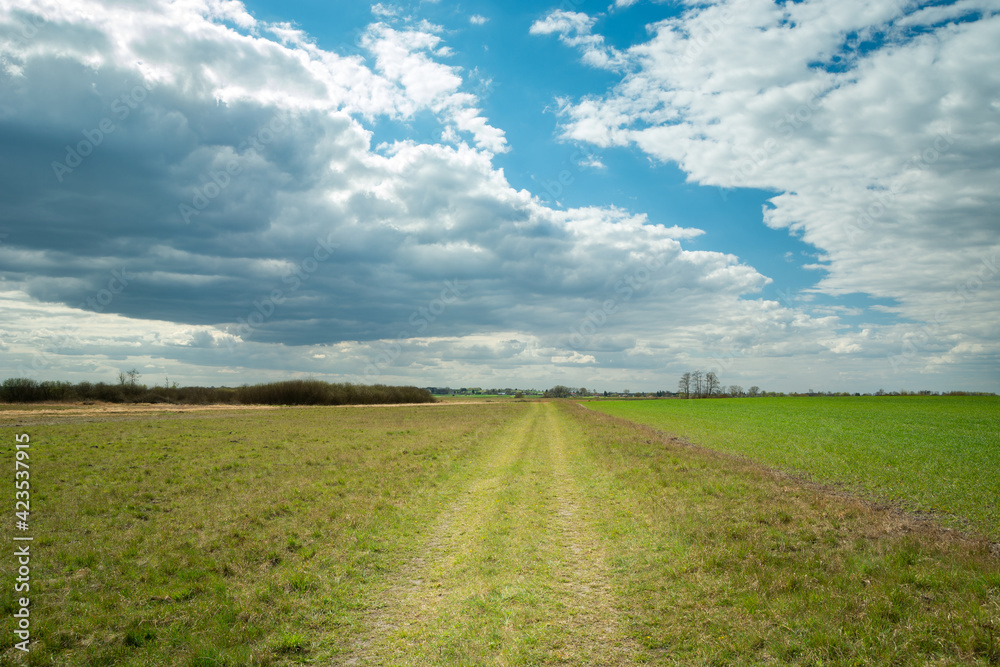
x: 508, y: 533
x: 933, y: 454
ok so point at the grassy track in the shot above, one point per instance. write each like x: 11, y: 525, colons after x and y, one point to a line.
x: 513, y: 574
x: 501, y: 534
x: 937, y: 454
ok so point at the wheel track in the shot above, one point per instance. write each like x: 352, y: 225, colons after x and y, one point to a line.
x: 586, y: 583
x: 511, y: 570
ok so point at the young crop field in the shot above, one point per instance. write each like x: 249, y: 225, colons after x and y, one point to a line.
x: 936, y: 454
x: 506, y: 533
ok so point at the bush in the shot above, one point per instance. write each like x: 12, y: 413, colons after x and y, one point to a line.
x: 21, y: 390
x: 316, y: 392
x: 291, y: 392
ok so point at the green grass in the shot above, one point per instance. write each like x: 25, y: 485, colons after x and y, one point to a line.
x: 508, y: 576
x: 514, y: 533
x: 719, y: 561
x: 933, y: 454
x: 254, y: 537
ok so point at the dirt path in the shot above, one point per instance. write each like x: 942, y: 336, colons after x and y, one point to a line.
x: 512, y: 573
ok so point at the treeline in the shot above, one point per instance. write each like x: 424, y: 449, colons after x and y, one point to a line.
x: 707, y: 385
x: 696, y: 384
x: 291, y: 392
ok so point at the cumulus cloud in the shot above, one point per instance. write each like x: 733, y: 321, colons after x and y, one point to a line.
x: 219, y: 190
x: 385, y: 11
x: 208, y: 195
x: 876, y: 123
x: 574, y: 358
x: 574, y: 29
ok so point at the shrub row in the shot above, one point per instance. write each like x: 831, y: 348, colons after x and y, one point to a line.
x: 292, y: 392
x: 316, y: 392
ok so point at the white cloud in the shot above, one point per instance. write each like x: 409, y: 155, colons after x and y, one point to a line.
x: 478, y: 19
x: 574, y: 29
x: 385, y: 11
x: 402, y: 57
x: 575, y: 358
x: 288, y: 34
x: 316, y: 253
x: 305, y: 237
x: 563, y: 22
x: 593, y: 162
x: 886, y: 159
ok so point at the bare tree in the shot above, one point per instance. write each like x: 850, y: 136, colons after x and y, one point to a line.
x: 129, y: 381
x: 712, y: 384
x: 696, y: 385
x: 735, y: 390
x: 754, y: 391
x: 684, y: 386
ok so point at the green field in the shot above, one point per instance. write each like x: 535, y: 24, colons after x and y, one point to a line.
x: 505, y: 533
x: 938, y: 454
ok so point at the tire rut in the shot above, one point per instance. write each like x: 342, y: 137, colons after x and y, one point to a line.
x: 586, y: 582
x: 411, y: 602
x: 512, y: 572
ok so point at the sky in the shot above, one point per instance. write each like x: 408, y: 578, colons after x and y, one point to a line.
x: 796, y: 195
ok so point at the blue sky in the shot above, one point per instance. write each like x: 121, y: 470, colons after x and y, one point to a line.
x: 795, y: 195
